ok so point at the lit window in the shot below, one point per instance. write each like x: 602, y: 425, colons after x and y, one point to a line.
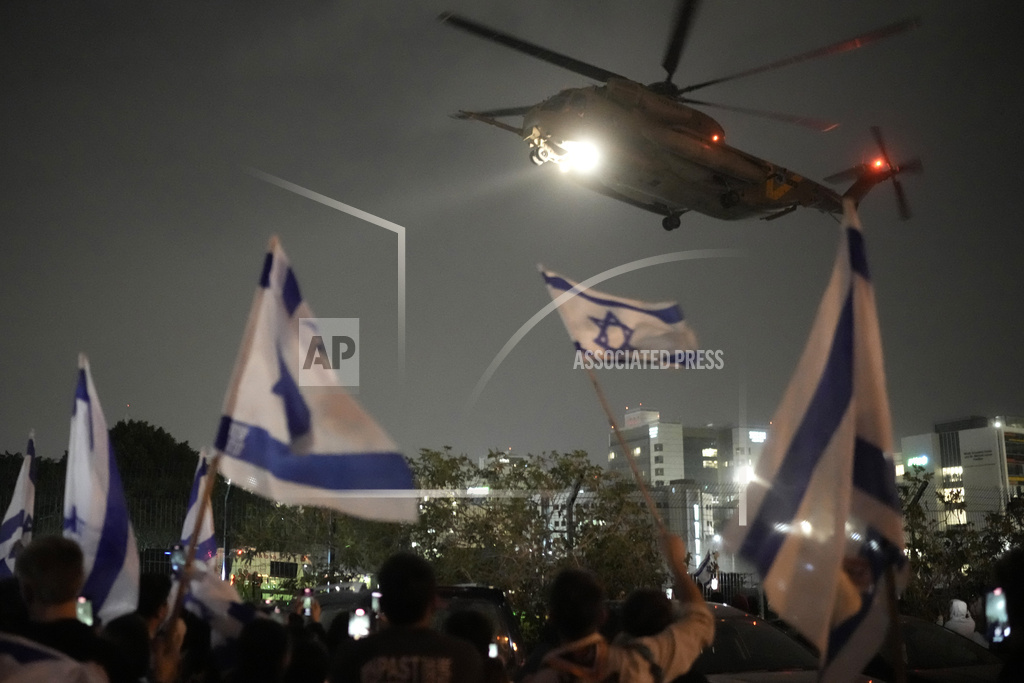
x: 652, y: 432
x: 636, y: 451
x: 711, y: 464
x: 710, y: 452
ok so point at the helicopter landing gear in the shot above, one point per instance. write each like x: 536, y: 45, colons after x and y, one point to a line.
x: 535, y: 156
x: 671, y: 221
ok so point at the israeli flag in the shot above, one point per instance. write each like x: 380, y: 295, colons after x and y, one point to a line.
x: 206, y: 545
x: 16, y: 529
x: 602, y: 322
x: 26, y: 661
x: 95, y: 513
x: 303, y: 445
x: 826, y: 533
x: 704, y: 572
x: 217, y: 602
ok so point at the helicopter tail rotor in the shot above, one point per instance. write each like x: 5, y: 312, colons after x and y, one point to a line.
x: 881, y: 169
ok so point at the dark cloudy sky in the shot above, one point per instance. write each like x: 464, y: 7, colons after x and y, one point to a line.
x: 129, y: 228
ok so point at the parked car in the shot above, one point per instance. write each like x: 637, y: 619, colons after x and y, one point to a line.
x: 935, y: 654
x: 748, y: 648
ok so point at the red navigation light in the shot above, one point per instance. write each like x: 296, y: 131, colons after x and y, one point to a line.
x: 878, y: 164
x: 714, y: 138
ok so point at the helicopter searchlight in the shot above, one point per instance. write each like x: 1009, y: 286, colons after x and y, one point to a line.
x: 580, y: 156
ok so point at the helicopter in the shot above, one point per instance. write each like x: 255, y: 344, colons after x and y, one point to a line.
x: 649, y: 146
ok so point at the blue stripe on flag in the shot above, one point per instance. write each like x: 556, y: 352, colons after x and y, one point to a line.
x: 671, y: 315
x: 290, y: 292
x: 113, y: 543
x: 25, y: 652
x: 824, y: 413
x: 11, y: 525
x: 344, y: 472
x: 874, y: 474
x: 858, y: 253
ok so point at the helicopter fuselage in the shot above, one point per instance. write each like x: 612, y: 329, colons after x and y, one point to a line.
x: 661, y: 155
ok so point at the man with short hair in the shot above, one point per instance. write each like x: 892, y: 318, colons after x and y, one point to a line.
x: 407, y: 649
x: 576, y: 607
x: 50, y: 573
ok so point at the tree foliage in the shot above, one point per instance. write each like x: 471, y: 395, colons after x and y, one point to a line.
x: 951, y: 561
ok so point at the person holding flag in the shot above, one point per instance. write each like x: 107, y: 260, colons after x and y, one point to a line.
x: 826, y: 532
x: 16, y: 529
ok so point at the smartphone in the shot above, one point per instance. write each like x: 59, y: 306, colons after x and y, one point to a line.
x: 83, y: 611
x: 177, y: 558
x: 307, y: 601
x: 996, y: 617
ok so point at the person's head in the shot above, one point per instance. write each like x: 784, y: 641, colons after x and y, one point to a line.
x: 472, y: 626
x: 50, y: 571
x: 130, y: 636
x: 264, y: 651
x: 645, y: 612
x: 576, y: 603
x: 408, y: 588
x: 1009, y: 572
x: 957, y: 609
x: 154, y: 589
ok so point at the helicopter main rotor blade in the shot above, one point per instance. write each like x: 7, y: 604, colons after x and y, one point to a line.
x: 684, y: 19
x: 550, y: 56
x: 835, y: 48
x: 495, y: 113
x: 804, y: 121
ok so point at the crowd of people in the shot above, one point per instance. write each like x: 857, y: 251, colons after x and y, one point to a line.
x: 44, y: 638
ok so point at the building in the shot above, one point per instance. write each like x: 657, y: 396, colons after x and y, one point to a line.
x: 695, y: 474
x: 976, y: 463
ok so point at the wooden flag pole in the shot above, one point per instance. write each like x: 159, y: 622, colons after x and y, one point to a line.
x: 629, y: 456
x: 190, y: 555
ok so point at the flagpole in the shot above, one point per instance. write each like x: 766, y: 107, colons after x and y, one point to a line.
x: 203, y: 502
x: 629, y: 456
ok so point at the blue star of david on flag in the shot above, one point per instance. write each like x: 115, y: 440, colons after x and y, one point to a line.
x: 621, y: 324
x: 610, y: 320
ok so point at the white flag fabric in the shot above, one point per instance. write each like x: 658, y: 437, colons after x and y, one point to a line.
x: 26, y: 661
x: 217, y: 603
x: 206, y: 545
x: 95, y: 512
x: 604, y: 323
x: 826, y: 531
x: 302, y: 445
x: 16, y: 529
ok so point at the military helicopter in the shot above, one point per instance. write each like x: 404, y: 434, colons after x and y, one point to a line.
x: 659, y: 153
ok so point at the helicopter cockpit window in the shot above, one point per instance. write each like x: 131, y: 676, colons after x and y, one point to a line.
x: 556, y: 103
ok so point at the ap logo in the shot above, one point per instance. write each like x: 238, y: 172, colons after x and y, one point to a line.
x: 328, y: 352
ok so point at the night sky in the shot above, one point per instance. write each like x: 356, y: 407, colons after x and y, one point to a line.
x: 130, y: 228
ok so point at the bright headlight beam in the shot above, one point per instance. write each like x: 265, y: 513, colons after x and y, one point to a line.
x: 581, y: 155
